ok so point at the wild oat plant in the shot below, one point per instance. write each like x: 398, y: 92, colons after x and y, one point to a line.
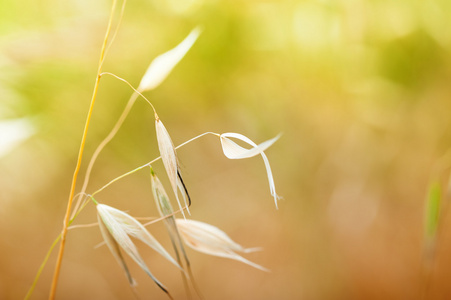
x: 119, y: 229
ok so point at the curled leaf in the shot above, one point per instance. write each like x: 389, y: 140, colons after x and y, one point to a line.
x: 117, y: 227
x: 161, y: 66
x: 170, y: 162
x: 213, y: 241
x: 234, y: 151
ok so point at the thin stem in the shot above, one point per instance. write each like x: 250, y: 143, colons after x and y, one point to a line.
x: 82, y: 226
x: 79, y: 208
x: 118, y: 124
x: 122, y: 176
x: 165, y: 217
x: 41, y: 268
x: 116, y: 30
x: 131, y: 86
x: 80, y: 155
x: 179, y: 260
x: 102, y: 145
x: 195, y: 138
x: 148, y: 164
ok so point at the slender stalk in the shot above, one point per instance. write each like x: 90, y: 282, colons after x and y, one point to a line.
x: 41, y: 268
x: 148, y: 164
x: 102, y: 145
x: 79, y: 208
x: 80, y: 155
x: 166, y: 217
x: 116, y: 127
x: 131, y: 86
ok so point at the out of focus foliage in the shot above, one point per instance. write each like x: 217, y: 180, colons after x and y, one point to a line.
x: 359, y: 88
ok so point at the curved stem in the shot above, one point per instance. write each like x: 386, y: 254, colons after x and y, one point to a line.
x: 196, y: 137
x: 118, y: 124
x: 79, y: 208
x: 148, y: 164
x: 80, y: 155
x: 128, y: 83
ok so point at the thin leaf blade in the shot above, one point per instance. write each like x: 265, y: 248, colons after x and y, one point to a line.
x: 161, y: 66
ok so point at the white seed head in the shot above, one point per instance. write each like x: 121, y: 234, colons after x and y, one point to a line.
x: 161, y: 197
x: 234, y: 151
x: 117, y: 227
x: 170, y: 162
x: 115, y: 249
x: 211, y: 240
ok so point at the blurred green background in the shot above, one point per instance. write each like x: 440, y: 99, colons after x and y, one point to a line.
x: 359, y: 89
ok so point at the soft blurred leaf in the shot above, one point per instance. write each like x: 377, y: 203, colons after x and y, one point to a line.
x: 433, y: 209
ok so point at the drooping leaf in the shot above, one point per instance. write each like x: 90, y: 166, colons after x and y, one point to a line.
x: 234, y: 151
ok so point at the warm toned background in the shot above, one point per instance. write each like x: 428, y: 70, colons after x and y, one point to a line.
x: 359, y: 89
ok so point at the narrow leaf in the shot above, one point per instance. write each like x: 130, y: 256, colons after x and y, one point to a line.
x: 162, y: 66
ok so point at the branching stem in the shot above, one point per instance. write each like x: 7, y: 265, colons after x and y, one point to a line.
x: 148, y: 164
x: 131, y: 86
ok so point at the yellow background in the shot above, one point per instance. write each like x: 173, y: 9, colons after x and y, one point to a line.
x: 360, y: 91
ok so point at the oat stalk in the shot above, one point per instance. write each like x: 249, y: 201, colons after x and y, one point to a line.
x: 156, y: 73
x: 80, y: 156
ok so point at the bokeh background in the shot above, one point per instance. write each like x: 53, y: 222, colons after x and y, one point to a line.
x: 360, y: 90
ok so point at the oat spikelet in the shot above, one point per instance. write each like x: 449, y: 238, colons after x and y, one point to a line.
x: 165, y: 209
x: 234, y: 151
x: 117, y: 227
x: 211, y: 240
x: 171, y: 164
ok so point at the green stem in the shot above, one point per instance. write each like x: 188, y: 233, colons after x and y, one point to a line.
x: 148, y: 164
